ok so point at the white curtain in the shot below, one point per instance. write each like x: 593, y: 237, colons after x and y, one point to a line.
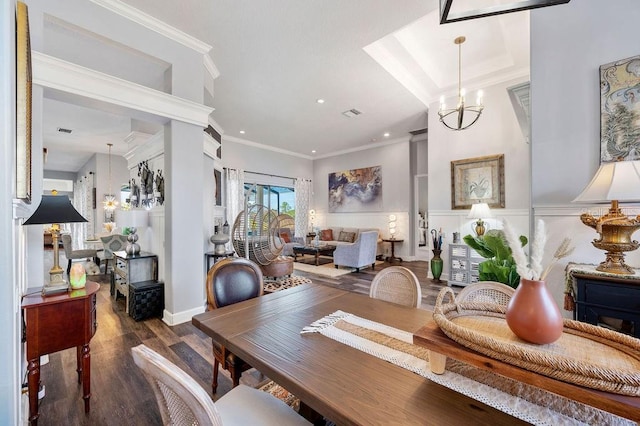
x: 303, y: 189
x: 83, y: 202
x: 235, y: 194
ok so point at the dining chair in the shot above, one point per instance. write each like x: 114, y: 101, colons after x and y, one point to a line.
x: 397, y: 284
x: 72, y: 254
x: 111, y: 243
x: 182, y: 401
x: 486, y: 292
x: 230, y: 281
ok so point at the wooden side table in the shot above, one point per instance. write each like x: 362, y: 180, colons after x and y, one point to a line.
x: 58, y: 322
x: 393, y: 242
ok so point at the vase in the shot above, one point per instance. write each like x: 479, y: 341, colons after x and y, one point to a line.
x: 533, y: 315
x: 436, y: 265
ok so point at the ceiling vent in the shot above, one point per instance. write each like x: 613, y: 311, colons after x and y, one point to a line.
x: 63, y: 130
x: 352, y: 113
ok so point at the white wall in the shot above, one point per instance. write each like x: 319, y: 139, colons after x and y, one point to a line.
x: 396, y: 190
x: 568, y: 45
x: 496, y: 132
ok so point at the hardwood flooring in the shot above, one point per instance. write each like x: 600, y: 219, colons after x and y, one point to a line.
x: 120, y: 393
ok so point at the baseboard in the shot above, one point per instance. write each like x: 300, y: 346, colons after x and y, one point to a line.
x: 180, y: 317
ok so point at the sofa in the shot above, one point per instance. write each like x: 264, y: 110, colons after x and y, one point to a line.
x: 359, y: 254
x: 335, y: 236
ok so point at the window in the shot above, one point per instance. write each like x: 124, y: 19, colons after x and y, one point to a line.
x: 278, y: 198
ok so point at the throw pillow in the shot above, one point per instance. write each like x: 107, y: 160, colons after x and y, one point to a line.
x: 326, y: 235
x: 347, y: 237
x: 285, y: 237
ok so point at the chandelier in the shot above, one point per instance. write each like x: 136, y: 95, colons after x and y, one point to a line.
x: 462, y: 116
x: 110, y: 202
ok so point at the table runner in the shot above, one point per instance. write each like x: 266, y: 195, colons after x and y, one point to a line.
x: 520, y: 400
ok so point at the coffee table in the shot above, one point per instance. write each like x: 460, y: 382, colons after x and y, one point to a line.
x: 321, y: 250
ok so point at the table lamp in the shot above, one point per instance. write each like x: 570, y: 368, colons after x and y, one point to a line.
x: 480, y: 211
x: 132, y: 219
x: 613, y: 182
x: 392, y: 226
x: 55, y: 209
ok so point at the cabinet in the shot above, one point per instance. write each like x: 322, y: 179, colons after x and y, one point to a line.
x: 463, y: 265
x: 133, y: 269
x: 611, y: 302
x: 58, y: 322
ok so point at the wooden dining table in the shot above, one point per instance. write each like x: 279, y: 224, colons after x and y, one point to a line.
x: 341, y: 383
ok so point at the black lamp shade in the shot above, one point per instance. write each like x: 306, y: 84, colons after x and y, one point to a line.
x: 54, y: 209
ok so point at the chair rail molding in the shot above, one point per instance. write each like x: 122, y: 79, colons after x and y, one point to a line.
x: 55, y: 73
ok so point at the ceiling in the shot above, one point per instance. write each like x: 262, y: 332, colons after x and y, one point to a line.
x: 277, y: 58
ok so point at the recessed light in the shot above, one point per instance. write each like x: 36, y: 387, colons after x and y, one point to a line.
x: 242, y: 132
x: 313, y: 151
x: 320, y: 101
x: 386, y: 135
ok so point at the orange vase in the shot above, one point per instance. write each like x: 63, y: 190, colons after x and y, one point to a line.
x: 533, y: 315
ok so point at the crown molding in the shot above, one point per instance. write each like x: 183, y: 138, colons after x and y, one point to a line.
x: 210, y: 146
x: 365, y: 147
x: 154, y: 24
x: 267, y: 147
x: 61, y: 75
x: 210, y: 66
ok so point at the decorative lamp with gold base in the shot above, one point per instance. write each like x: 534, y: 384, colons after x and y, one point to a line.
x: 55, y: 209
x: 480, y: 211
x: 613, y: 182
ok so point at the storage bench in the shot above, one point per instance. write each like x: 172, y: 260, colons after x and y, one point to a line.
x: 146, y: 299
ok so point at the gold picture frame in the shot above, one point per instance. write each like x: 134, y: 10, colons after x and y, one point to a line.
x: 477, y: 180
x: 23, y: 104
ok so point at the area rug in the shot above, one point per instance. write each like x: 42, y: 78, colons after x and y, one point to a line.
x: 520, y: 400
x: 281, y: 393
x: 327, y: 270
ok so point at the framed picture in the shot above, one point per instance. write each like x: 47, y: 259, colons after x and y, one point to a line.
x: 23, y: 104
x: 477, y: 180
x: 356, y: 190
x: 217, y: 176
x: 620, y: 110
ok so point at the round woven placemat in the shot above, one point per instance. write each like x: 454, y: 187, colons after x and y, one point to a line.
x: 585, y: 354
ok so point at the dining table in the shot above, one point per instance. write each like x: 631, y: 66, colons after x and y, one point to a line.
x: 336, y: 381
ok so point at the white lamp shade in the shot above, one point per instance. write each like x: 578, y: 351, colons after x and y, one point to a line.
x: 479, y: 211
x: 134, y: 218
x: 619, y: 181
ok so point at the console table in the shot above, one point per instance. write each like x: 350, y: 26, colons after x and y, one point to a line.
x: 54, y: 323
x: 605, y: 299
x: 133, y: 269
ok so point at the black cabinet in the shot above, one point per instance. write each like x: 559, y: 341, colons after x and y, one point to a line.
x: 609, y: 302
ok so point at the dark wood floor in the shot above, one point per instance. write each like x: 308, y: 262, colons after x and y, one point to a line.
x: 120, y: 394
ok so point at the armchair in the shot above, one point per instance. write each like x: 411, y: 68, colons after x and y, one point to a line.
x: 359, y: 254
x: 72, y: 254
x: 111, y: 243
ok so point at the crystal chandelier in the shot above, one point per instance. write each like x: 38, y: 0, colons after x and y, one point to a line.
x: 110, y: 203
x: 462, y: 116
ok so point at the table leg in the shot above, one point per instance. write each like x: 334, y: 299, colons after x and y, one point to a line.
x: 86, y: 376
x: 79, y: 363
x: 317, y: 259
x: 437, y: 362
x: 33, y: 370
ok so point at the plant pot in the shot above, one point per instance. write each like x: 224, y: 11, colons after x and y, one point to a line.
x: 436, y: 265
x: 533, y: 315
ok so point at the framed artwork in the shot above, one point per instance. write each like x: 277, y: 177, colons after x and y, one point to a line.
x: 356, y: 190
x: 620, y: 110
x: 477, y: 180
x: 217, y: 175
x: 23, y: 104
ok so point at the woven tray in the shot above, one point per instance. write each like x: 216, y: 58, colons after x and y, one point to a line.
x: 585, y: 354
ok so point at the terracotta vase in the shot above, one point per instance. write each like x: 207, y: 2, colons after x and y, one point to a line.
x: 533, y: 315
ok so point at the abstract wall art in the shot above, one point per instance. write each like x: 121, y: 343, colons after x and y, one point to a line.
x: 356, y: 190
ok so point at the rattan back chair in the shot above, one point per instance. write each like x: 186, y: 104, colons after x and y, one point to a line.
x: 486, y: 292
x: 182, y: 401
x: 397, y: 284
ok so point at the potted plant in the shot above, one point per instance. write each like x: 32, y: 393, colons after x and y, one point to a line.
x: 499, y: 265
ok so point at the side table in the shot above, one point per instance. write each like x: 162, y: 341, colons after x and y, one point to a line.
x: 58, y: 322
x: 132, y: 269
x: 393, y: 242
x: 211, y: 254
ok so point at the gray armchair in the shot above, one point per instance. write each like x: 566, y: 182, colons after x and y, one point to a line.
x: 359, y: 254
x: 111, y: 243
x: 72, y: 254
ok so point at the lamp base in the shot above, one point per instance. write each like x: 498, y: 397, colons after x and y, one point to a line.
x: 133, y: 248
x: 614, y: 264
x: 50, y: 289
x: 480, y: 228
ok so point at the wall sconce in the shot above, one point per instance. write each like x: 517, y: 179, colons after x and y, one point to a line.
x: 392, y: 226
x: 480, y: 211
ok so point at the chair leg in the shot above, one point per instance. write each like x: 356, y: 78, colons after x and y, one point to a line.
x: 69, y: 267
x: 106, y: 266
x: 214, y: 383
